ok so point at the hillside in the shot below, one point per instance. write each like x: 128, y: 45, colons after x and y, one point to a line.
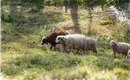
x: 24, y: 58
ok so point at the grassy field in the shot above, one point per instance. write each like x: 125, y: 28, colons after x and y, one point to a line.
x: 24, y: 58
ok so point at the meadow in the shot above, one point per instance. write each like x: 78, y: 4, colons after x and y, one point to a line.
x: 24, y: 58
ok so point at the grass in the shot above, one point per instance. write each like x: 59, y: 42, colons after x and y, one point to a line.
x: 23, y: 57
x: 49, y: 62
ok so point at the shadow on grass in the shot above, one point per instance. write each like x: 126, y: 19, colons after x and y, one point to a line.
x: 18, y: 21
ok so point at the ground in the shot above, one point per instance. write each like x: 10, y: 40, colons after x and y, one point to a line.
x: 24, y: 58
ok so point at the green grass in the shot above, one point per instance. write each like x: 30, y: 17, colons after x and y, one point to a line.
x: 49, y: 62
x: 24, y: 58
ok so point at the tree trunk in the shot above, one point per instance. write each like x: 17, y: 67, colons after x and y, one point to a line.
x: 74, y: 16
x: 90, y: 20
x: 102, y: 6
x: 66, y: 5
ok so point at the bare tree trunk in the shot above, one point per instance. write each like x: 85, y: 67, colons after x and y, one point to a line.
x: 102, y: 6
x: 90, y: 20
x: 74, y: 16
x: 3, y: 35
x: 66, y: 5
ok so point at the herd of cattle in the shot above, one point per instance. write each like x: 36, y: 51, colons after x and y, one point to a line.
x: 81, y: 42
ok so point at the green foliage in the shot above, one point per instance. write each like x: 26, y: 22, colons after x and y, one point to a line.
x: 118, y: 3
x: 122, y: 64
x: 33, y: 1
x: 48, y: 63
x: 13, y: 32
x: 105, y: 22
x: 103, y: 41
x: 127, y: 32
x: 11, y: 17
x: 99, y: 62
x: 4, y: 16
x: 71, y: 2
x: 2, y: 2
x: 87, y: 2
